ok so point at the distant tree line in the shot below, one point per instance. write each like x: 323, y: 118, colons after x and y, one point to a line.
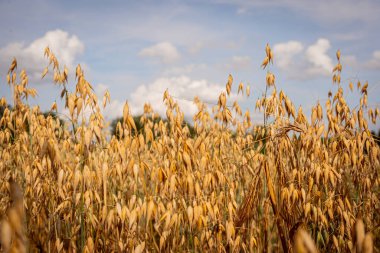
x: 45, y: 114
x: 140, y: 126
x: 137, y: 120
x: 26, y: 124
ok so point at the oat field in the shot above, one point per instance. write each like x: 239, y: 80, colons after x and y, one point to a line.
x: 295, y: 183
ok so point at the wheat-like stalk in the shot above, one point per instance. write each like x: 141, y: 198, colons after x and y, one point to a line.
x: 295, y: 184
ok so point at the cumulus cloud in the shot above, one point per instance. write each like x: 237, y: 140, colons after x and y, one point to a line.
x: 30, y: 57
x: 100, y: 89
x: 182, y: 88
x: 285, y: 52
x: 298, y: 63
x: 112, y: 110
x: 164, y: 51
x: 316, y: 54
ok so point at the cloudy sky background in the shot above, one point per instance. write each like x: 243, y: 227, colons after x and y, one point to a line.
x: 138, y: 49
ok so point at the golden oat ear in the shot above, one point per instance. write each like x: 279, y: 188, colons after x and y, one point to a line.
x: 363, y: 242
x: 294, y: 180
x: 303, y: 242
x: 13, y: 236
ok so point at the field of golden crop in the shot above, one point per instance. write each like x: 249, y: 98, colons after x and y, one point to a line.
x: 294, y: 184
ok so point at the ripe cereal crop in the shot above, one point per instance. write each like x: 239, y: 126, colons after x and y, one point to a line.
x: 297, y: 183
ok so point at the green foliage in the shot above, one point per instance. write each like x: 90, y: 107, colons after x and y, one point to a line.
x: 140, y: 126
x: 2, y: 109
x: 54, y: 116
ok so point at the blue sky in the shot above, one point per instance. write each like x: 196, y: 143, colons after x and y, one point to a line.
x: 137, y: 49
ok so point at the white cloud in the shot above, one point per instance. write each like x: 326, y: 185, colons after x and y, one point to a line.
x: 164, y: 51
x: 284, y: 52
x: 298, y: 63
x: 375, y: 61
x: 112, y: 110
x: 182, y: 88
x: 31, y: 57
x: 316, y: 54
x: 100, y: 89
